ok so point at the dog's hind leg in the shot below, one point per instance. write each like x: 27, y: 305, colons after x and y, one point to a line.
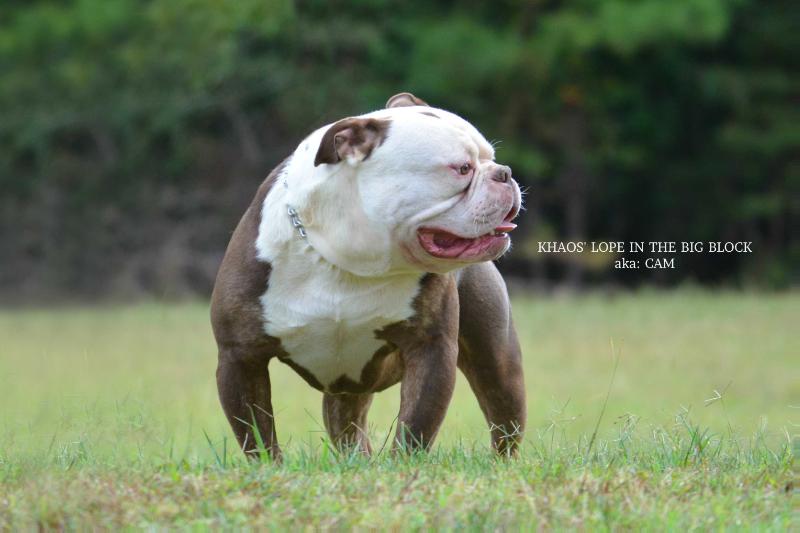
x: 345, y: 417
x: 489, y: 355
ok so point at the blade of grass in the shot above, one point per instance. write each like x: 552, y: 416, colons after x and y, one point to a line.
x: 213, y: 449
x: 605, y: 401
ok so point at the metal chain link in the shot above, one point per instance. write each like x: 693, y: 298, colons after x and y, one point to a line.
x: 295, y: 218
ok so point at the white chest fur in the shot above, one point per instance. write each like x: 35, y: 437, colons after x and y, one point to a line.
x: 326, y: 319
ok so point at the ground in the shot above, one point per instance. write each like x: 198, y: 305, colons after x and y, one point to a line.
x: 109, y: 417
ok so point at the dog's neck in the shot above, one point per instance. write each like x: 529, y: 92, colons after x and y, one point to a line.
x: 307, y: 219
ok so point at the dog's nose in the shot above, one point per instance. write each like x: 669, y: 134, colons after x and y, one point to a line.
x: 502, y: 174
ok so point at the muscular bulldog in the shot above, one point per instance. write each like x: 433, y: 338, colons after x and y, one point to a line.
x: 365, y: 260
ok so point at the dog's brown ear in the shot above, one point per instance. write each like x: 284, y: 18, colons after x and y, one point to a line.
x: 351, y: 139
x: 404, y: 100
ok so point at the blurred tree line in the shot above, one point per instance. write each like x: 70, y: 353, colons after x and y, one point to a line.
x: 133, y: 133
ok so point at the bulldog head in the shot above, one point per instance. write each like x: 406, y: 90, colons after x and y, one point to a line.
x: 408, y: 187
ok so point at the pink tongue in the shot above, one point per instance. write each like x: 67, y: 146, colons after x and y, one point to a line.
x: 505, y: 227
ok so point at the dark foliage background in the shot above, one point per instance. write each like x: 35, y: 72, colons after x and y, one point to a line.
x: 133, y: 133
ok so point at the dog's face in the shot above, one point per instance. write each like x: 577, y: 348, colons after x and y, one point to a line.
x: 409, y: 188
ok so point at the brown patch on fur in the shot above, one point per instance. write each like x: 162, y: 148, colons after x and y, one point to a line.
x: 351, y: 136
x: 385, y: 368
x: 236, y: 313
x: 309, y: 378
x: 382, y: 371
x: 237, y: 321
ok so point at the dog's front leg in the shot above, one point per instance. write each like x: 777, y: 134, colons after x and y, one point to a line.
x: 244, y: 392
x: 429, y: 378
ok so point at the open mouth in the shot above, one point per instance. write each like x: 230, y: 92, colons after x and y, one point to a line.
x: 446, y: 245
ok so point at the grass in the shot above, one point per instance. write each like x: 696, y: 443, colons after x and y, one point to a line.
x: 109, y: 417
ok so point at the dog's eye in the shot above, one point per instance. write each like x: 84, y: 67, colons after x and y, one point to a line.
x: 465, y: 169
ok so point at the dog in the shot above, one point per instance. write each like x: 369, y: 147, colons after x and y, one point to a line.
x: 365, y: 260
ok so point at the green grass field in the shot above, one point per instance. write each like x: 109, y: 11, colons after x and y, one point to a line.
x: 109, y: 417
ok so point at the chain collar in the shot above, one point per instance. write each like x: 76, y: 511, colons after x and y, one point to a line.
x: 295, y: 219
